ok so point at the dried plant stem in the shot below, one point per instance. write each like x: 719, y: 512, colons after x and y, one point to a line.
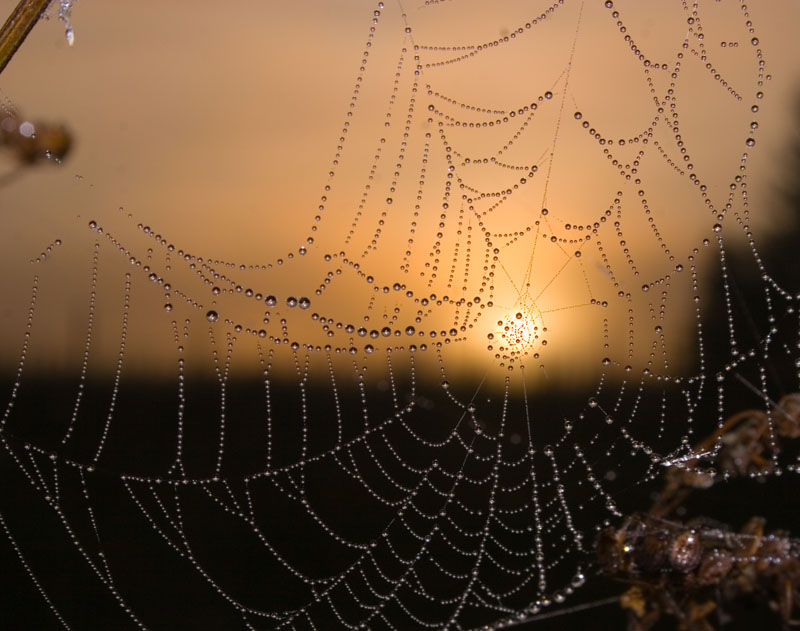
x: 22, y: 19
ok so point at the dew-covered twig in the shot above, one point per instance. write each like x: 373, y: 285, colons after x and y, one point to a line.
x: 21, y: 21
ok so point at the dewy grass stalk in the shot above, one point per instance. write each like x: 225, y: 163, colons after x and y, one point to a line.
x: 21, y: 21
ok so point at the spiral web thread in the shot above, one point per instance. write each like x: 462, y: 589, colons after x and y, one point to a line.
x: 328, y: 471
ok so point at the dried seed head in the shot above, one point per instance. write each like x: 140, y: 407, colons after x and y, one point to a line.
x: 684, y: 553
x: 714, y: 566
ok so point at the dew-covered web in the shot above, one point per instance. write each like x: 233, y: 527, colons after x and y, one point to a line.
x: 516, y: 299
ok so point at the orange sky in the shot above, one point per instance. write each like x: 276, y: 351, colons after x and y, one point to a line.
x: 217, y: 126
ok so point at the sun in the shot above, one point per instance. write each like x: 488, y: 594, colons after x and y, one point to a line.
x: 518, y: 333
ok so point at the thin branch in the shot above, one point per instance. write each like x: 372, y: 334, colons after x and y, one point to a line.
x: 21, y: 21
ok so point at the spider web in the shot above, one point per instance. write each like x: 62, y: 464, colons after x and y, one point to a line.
x: 514, y: 304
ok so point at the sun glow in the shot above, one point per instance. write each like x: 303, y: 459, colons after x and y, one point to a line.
x: 519, y: 333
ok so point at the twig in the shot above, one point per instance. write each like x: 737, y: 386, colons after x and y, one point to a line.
x: 21, y: 21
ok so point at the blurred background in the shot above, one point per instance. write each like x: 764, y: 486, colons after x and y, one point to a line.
x: 218, y: 126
